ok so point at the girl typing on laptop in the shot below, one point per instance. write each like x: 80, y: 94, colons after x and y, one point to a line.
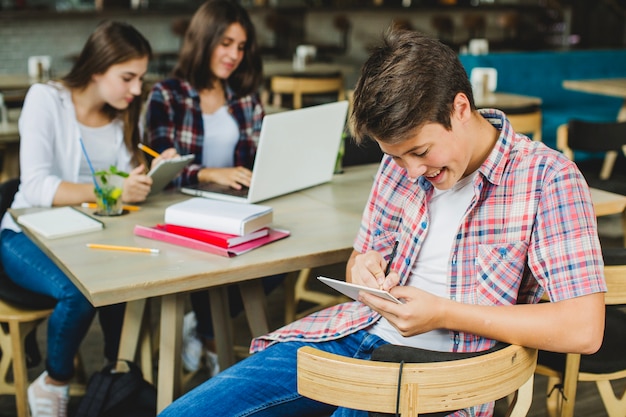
x: 211, y: 108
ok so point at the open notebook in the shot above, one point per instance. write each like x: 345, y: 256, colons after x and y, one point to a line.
x: 297, y: 149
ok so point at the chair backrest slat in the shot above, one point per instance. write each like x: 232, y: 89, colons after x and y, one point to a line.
x: 426, y: 387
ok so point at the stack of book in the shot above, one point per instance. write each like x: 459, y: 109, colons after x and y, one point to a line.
x: 219, y: 227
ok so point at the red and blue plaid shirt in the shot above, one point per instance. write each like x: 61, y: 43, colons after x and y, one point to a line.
x: 530, y: 228
x: 174, y: 120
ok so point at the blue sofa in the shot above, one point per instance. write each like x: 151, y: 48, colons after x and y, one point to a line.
x: 541, y: 74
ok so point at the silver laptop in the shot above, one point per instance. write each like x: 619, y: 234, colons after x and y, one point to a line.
x: 297, y: 149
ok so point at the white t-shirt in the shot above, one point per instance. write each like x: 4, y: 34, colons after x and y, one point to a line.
x: 430, y: 271
x: 221, y: 134
x: 97, y: 142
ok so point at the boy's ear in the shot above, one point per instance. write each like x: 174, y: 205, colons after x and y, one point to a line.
x: 462, y: 107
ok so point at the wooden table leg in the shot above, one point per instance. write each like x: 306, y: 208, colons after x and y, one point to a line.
x: 255, y: 305
x: 131, y: 330
x: 170, y: 342
x: 222, y: 329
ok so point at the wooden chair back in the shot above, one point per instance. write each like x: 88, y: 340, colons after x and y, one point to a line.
x: 425, y: 387
x: 527, y: 123
x: 299, y: 85
x: 582, y: 368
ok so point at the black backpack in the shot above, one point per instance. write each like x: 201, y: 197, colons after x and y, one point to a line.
x: 118, y: 394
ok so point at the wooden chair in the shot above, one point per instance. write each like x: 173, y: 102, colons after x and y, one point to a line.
x: 17, y: 323
x: 21, y: 311
x: 424, y: 387
x: 527, y: 123
x: 564, y: 371
x: 608, y: 137
x: 301, y: 84
x: 298, y: 290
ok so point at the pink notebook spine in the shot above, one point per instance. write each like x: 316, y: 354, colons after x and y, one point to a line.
x: 152, y: 233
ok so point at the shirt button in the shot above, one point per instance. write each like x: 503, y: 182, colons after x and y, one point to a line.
x: 424, y: 224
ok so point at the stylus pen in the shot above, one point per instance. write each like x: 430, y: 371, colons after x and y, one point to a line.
x: 147, y: 150
x: 122, y: 248
x: 393, y: 255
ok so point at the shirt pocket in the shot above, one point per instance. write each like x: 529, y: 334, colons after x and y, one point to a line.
x: 383, y: 241
x: 499, y: 270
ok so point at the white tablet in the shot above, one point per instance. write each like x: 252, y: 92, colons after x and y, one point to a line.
x: 352, y: 290
x: 166, y: 171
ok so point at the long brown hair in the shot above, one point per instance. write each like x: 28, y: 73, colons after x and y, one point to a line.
x: 204, y: 34
x: 112, y: 43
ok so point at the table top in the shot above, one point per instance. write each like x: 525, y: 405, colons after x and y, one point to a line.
x: 323, y: 222
x: 507, y: 101
x: 285, y: 67
x: 614, y: 87
x: 606, y: 203
x: 9, y: 132
x: 15, y: 81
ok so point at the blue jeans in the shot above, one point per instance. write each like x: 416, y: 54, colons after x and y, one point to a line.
x: 264, y: 384
x: 31, y: 269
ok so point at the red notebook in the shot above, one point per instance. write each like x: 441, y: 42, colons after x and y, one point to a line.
x: 223, y: 240
x: 162, y: 235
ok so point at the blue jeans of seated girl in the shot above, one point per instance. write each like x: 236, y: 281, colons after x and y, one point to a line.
x: 264, y: 384
x: 30, y: 268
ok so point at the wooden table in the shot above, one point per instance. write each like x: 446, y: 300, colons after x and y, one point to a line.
x: 507, y: 101
x: 606, y: 203
x: 285, y: 67
x: 323, y: 222
x: 613, y: 87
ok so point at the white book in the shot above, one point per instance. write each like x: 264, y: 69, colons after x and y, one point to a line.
x: 60, y: 222
x: 219, y: 216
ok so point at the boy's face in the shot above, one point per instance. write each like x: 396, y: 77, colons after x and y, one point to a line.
x: 440, y: 155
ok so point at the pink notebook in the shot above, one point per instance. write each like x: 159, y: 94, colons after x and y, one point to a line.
x: 154, y: 233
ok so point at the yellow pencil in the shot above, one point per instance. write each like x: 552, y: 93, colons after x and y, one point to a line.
x: 147, y: 150
x: 122, y: 248
x: 125, y: 207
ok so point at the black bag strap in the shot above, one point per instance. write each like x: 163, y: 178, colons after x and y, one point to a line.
x: 95, y: 396
x: 124, y: 386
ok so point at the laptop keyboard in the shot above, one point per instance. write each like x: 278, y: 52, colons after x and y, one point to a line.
x: 222, y: 189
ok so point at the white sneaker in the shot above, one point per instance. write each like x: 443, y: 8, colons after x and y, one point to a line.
x: 47, y: 400
x: 192, y: 346
x: 212, y: 362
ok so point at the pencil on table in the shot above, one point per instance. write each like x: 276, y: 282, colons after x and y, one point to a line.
x: 125, y: 207
x: 121, y: 248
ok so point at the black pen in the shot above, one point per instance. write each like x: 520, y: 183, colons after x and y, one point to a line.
x: 393, y: 255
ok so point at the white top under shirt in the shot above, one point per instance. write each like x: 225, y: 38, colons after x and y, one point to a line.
x: 221, y: 134
x: 430, y: 271
x: 97, y: 142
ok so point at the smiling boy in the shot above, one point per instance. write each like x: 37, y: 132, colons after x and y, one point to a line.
x: 486, y: 220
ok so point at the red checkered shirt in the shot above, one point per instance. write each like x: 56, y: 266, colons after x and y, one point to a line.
x: 530, y: 228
